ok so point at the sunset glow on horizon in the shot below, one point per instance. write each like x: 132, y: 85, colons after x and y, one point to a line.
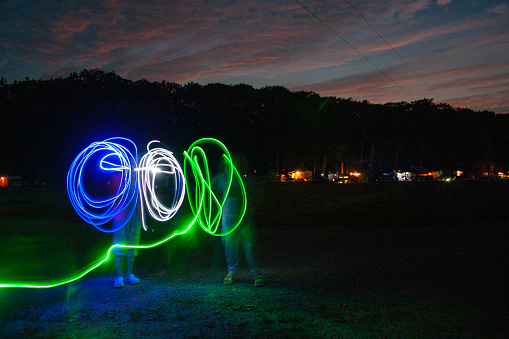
x: 450, y: 51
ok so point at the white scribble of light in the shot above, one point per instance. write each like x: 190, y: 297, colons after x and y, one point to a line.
x: 154, y: 164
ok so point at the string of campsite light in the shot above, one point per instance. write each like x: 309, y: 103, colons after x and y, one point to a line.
x: 137, y: 181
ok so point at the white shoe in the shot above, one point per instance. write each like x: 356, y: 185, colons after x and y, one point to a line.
x: 119, y: 282
x: 132, y: 279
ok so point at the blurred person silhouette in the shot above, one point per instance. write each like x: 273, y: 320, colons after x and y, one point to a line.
x: 242, y: 241
x: 129, y: 234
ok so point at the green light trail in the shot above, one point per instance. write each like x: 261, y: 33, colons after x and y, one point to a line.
x: 208, y: 220
x: 202, y: 206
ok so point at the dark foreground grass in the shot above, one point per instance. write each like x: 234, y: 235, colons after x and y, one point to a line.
x: 393, y: 260
x: 306, y: 204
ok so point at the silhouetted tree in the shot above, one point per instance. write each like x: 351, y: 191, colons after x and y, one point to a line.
x: 45, y: 123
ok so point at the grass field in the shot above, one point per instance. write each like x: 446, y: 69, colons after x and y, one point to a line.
x: 303, y: 204
x: 423, y: 259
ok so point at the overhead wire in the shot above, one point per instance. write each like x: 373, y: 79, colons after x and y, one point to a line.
x: 353, y: 47
x: 395, y: 52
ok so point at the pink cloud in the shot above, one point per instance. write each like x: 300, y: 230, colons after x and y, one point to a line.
x: 502, y: 8
x: 443, y: 2
x: 496, y: 102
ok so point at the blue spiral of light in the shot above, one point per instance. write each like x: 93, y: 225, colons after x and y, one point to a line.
x: 114, y: 157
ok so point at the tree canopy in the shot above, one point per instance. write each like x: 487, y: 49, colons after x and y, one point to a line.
x: 46, y: 123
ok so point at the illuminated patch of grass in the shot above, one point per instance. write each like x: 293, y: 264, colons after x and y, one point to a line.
x: 226, y: 303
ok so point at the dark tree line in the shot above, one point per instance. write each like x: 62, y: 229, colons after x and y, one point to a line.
x: 46, y: 123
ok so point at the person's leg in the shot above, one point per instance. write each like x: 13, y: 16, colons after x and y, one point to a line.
x: 130, y: 277
x: 248, y: 246
x: 119, y: 278
x: 250, y: 253
x: 231, y: 244
x: 119, y: 253
x: 251, y: 259
x: 130, y: 264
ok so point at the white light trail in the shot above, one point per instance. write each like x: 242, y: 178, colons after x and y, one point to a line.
x: 156, y: 162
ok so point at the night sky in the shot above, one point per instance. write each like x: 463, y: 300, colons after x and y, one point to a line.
x: 381, y: 50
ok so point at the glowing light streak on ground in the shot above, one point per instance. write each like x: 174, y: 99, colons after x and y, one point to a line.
x: 202, y: 187
x: 95, y: 265
x: 98, y: 211
x: 155, y: 162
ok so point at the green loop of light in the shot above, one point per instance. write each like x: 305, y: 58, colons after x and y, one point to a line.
x: 209, y: 218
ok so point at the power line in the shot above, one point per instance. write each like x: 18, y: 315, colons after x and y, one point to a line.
x: 388, y: 44
x: 355, y: 49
